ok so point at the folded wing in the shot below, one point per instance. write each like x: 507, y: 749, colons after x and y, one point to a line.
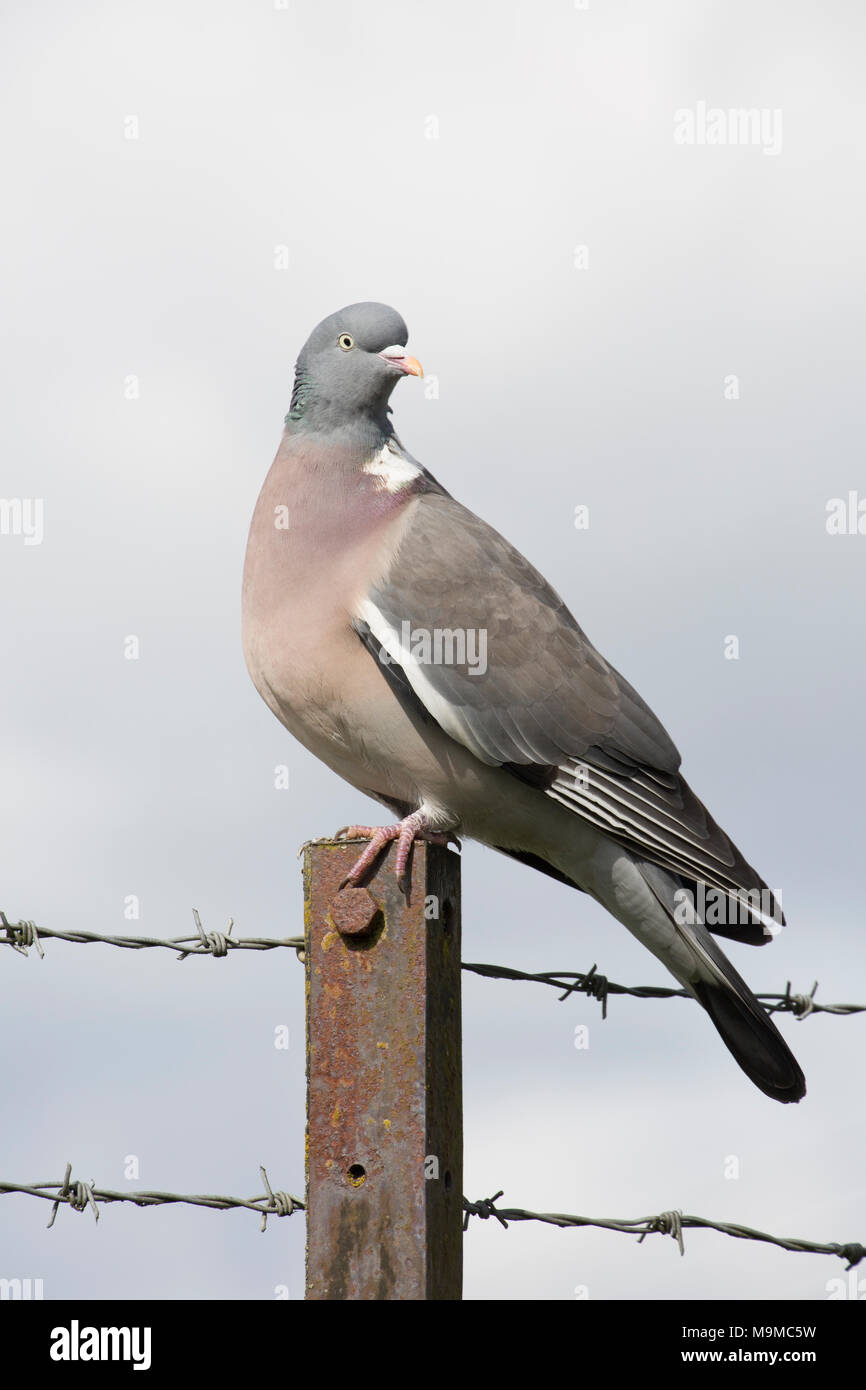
x: 471, y: 635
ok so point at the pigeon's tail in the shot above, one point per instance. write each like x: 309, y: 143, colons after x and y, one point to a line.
x: 745, y: 1027
x: 752, y: 1038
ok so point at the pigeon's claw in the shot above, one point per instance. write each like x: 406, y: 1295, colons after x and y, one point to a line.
x: 405, y: 832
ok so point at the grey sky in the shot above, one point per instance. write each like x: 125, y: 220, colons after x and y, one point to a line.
x: 307, y: 128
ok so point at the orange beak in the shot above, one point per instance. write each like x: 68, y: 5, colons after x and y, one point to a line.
x: 398, y: 357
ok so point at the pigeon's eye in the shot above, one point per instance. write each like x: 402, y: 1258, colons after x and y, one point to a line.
x: 346, y: 341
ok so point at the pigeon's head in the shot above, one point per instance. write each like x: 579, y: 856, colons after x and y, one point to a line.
x: 349, y: 366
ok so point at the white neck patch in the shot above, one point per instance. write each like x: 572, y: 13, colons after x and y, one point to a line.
x: 393, y: 471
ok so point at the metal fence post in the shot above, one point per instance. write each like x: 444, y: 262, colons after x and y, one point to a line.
x: 384, y: 1101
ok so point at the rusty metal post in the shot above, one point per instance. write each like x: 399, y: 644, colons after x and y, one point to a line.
x: 384, y: 1088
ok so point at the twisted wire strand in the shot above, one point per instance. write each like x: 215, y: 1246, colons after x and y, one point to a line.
x: 79, y: 1195
x: 671, y: 1223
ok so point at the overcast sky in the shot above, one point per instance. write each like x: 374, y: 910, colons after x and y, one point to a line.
x: 613, y: 312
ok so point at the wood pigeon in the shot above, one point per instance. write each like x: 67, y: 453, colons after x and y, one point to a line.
x: 410, y: 647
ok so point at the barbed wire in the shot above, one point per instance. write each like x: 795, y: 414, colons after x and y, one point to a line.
x: 21, y: 936
x: 669, y: 1223
x: 80, y: 1195
x: 24, y: 935
x: 599, y: 987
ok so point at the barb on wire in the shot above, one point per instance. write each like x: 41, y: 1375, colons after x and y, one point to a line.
x: 79, y: 1195
x: 22, y: 935
x: 670, y: 1223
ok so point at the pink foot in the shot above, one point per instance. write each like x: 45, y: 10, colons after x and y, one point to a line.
x: 405, y: 832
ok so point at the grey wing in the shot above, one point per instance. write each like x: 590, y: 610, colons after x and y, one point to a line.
x: 473, y: 635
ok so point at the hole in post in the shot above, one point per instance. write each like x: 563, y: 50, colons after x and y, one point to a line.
x: 356, y: 1174
x: 447, y: 1181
